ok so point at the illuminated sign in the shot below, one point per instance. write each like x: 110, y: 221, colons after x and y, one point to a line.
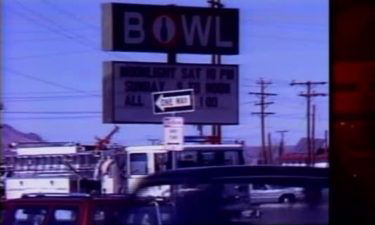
x: 128, y: 88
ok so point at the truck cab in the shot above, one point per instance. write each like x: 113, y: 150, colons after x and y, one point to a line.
x: 145, y: 160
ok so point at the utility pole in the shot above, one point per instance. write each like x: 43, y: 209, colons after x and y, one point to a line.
x: 281, y: 146
x: 326, y: 141
x: 313, y: 135
x: 262, y: 113
x: 216, y: 60
x: 270, y: 153
x: 1, y: 131
x: 309, y: 95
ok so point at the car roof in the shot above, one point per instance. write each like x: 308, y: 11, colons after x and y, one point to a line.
x: 281, y: 175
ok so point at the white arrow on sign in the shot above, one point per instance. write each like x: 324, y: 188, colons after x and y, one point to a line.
x: 173, y: 101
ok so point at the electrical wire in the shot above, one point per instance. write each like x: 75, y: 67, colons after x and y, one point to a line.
x: 49, y: 97
x: 52, y: 118
x: 68, y: 14
x: 28, y: 93
x: 54, y: 84
x: 51, y: 112
x: 62, y: 53
x: 54, y: 27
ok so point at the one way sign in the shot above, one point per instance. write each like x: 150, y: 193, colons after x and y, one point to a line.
x: 173, y: 101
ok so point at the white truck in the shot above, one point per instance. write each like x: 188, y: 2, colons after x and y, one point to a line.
x: 265, y: 193
x: 71, y: 167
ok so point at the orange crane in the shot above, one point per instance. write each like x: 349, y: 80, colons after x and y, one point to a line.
x: 101, y: 143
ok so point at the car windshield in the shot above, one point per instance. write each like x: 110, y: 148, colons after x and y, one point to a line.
x: 202, y: 158
x: 29, y: 216
x: 139, y: 213
x: 237, y: 195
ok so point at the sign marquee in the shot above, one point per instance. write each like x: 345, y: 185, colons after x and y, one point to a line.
x: 153, y: 28
x: 128, y: 87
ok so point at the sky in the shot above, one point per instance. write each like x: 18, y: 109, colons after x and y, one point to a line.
x: 51, y: 68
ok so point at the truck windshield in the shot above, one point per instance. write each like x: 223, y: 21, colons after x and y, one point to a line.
x: 203, y: 158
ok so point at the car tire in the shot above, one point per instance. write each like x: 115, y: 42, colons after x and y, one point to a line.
x: 287, y: 199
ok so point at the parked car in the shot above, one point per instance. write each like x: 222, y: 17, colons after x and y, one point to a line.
x: 265, y: 193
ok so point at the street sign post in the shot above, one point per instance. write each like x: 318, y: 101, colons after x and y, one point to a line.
x: 173, y: 101
x: 127, y: 88
x: 173, y: 133
x: 156, y: 28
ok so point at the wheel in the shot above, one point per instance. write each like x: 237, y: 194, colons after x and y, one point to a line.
x: 287, y: 199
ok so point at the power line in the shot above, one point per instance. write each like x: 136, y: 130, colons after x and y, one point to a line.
x: 52, y: 112
x: 43, y: 93
x: 48, y: 24
x: 49, y: 97
x: 46, y: 99
x: 62, y: 53
x: 300, y: 27
x: 292, y: 39
x: 33, y: 40
x: 57, y: 28
x: 70, y: 15
x: 53, y: 118
x: 46, y: 31
x: 44, y: 81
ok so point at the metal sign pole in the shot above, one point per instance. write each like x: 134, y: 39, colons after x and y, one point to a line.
x: 216, y: 60
x: 172, y: 59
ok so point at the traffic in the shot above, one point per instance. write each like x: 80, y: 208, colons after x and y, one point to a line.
x: 185, y: 176
x: 70, y: 184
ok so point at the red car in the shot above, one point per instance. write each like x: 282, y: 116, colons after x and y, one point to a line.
x: 80, y: 209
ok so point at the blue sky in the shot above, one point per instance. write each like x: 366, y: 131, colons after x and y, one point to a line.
x: 52, y: 67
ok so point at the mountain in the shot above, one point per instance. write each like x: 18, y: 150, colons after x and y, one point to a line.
x: 9, y: 135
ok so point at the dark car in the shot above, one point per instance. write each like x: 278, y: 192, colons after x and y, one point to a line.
x: 220, y: 195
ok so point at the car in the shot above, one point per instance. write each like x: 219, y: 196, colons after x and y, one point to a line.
x: 222, y: 195
x: 265, y: 193
x: 79, y: 209
x: 209, y: 195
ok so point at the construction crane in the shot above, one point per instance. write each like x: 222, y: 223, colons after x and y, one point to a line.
x: 101, y: 143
